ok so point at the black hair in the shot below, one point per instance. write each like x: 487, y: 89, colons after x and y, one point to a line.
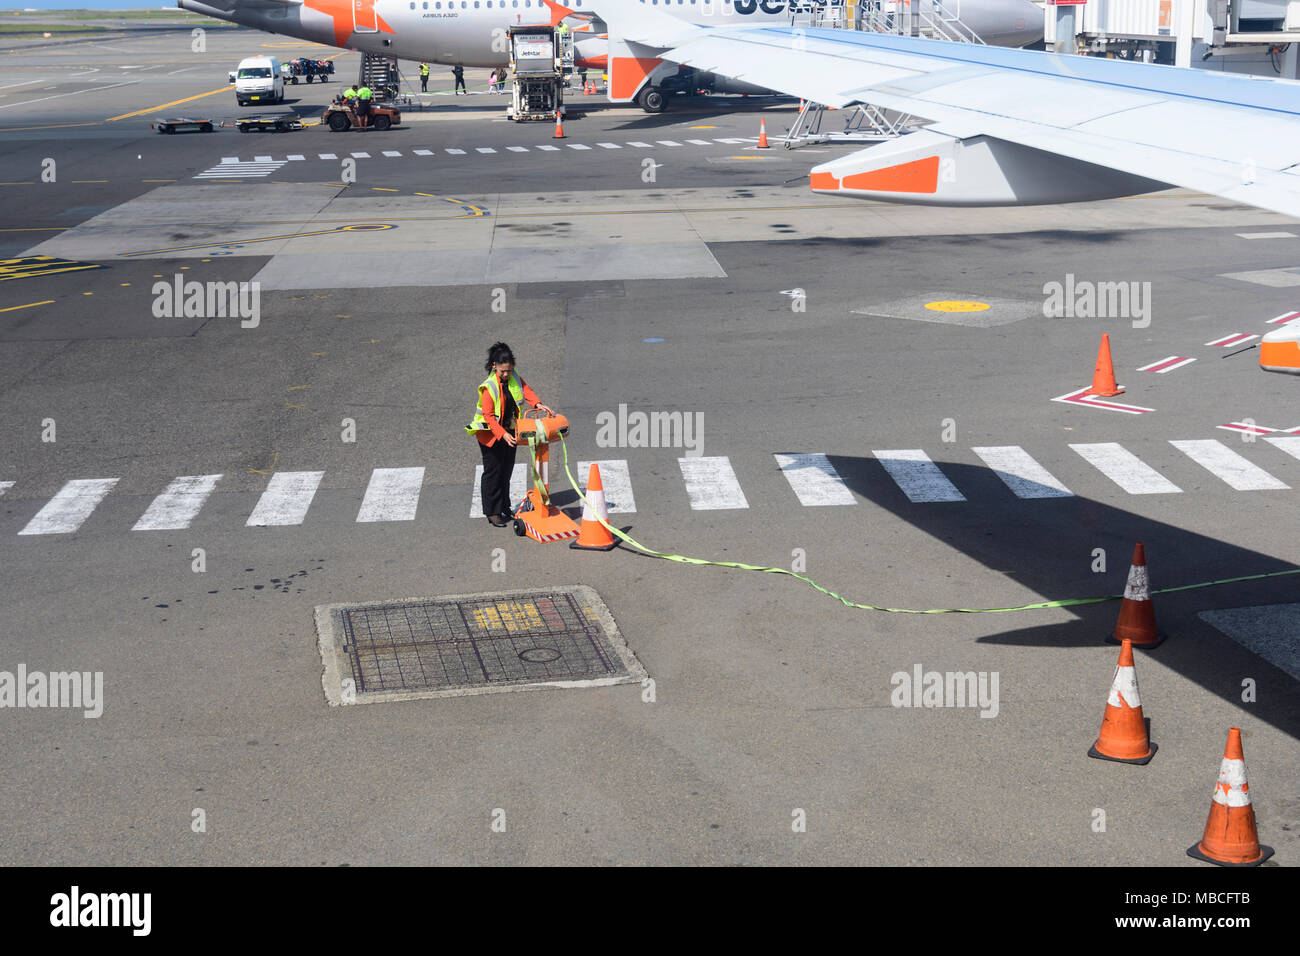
x: 500, y: 352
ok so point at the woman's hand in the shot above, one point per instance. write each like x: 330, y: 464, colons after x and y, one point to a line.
x: 545, y: 408
x: 511, y: 439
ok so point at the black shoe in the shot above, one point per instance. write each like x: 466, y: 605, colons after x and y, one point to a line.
x: 506, y: 516
x: 496, y: 521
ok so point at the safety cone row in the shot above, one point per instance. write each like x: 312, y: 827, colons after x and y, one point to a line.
x: 593, y: 535
x: 1123, y: 736
x: 559, y: 127
x: 1137, y: 614
x: 1230, y: 836
x: 1103, y: 376
x: 762, y: 133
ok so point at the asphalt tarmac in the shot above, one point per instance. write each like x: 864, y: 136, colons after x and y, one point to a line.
x: 709, y: 282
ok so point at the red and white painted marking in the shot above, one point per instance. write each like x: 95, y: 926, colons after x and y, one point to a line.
x: 1167, y: 364
x: 1252, y: 429
x: 1286, y: 318
x: 1084, y: 397
x: 1236, y: 338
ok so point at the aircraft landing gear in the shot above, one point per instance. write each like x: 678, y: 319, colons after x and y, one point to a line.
x: 651, y: 99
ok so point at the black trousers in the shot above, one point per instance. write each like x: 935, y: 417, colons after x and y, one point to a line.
x: 498, y: 464
x: 424, y: 84
x: 460, y: 85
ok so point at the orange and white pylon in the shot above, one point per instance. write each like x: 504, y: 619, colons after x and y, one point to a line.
x: 1123, y: 736
x: 762, y: 133
x: 1103, y: 374
x: 1137, y: 613
x: 559, y: 127
x: 1230, y: 837
x: 594, y: 536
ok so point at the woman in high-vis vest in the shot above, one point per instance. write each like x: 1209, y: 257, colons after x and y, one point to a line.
x: 500, y: 400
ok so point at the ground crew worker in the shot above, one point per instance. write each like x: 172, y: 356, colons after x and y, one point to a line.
x: 458, y: 72
x: 350, y: 97
x: 424, y: 78
x: 500, y: 398
x: 364, y: 96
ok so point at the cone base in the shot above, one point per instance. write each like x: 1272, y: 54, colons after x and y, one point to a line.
x: 1196, y: 853
x: 1160, y: 639
x: 593, y: 547
x: 1118, y: 391
x: 1141, y: 761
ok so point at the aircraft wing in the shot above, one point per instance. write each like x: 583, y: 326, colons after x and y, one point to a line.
x: 1011, y: 127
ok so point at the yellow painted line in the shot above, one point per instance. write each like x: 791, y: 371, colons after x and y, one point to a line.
x: 15, y: 308
x: 957, y: 305
x: 294, y: 388
x: 383, y: 189
x: 287, y: 405
x: 358, y: 227
x: 36, y: 229
x: 163, y: 106
x: 157, y: 180
x: 275, y: 457
x: 701, y: 127
x: 22, y: 129
x: 27, y: 183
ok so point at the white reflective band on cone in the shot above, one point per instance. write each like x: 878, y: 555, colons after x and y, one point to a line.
x: 1136, y: 589
x: 595, y: 498
x: 1124, y: 686
x: 1232, y: 788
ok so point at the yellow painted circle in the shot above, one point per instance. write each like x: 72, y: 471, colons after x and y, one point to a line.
x: 957, y: 305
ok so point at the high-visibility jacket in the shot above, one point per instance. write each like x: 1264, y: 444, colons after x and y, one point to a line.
x: 364, y: 93
x: 424, y: 69
x: 480, y: 426
x: 350, y: 93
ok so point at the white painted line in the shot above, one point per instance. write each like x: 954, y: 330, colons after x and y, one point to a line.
x: 1021, y: 473
x: 263, y: 159
x: 296, y: 157
x: 577, y: 146
x: 640, y: 145
x: 711, y: 484
x: 1289, y: 444
x: 918, y: 477
x: 456, y: 152
x: 814, y: 479
x: 608, y: 146
x: 229, y: 159
x: 667, y: 142
x: 1084, y: 396
x: 518, y: 488
x: 5, y: 486
x: 392, y: 152
x: 1266, y: 235
x: 1125, y: 469
x: 360, y: 155
x: 1167, y: 364
x: 517, y: 149
x: 548, y: 148
x: 732, y: 140
x: 617, y: 481
x: 327, y: 155
x: 177, y: 506
x: 1286, y: 318
x: 1236, y: 338
x: 699, y: 142
x: 286, y: 499
x: 1222, y: 462
x: 93, y: 89
x: 392, y: 495
x: 65, y: 512
x: 422, y: 152
x: 484, y: 149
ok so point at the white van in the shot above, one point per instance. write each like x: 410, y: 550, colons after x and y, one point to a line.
x: 259, y: 80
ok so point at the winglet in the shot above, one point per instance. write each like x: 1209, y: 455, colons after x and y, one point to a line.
x: 559, y: 12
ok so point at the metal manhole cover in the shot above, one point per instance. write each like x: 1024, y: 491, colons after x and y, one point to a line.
x: 471, y: 644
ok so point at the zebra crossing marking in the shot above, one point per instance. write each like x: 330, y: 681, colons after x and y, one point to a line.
x: 711, y: 484
x: 177, y: 507
x: 814, y: 480
x: 918, y: 477
x: 72, y: 505
x: 393, y: 494
x: 422, y: 152
x: 517, y: 149
x: 1222, y: 462
x: 1126, y: 469
x: 640, y: 145
x: 5, y: 486
x: 1290, y: 444
x: 1021, y: 473
x: 360, y: 155
x: 240, y: 170
x: 286, y: 499
x: 609, y: 146
x: 617, y: 480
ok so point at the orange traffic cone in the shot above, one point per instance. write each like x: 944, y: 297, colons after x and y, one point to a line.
x: 1137, y: 613
x: 1123, y: 736
x: 1230, y: 837
x: 1103, y: 377
x: 586, y: 88
x: 762, y: 133
x: 559, y: 127
x: 594, y: 536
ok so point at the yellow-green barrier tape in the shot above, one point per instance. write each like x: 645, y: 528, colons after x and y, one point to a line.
x: 1066, y: 602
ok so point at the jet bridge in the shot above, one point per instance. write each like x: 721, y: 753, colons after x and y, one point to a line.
x: 540, y: 58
